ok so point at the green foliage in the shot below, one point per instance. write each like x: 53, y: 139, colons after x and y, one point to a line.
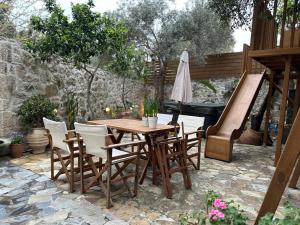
x: 163, y: 32
x: 7, y: 28
x: 193, y: 218
x: 234, y: 215
x: 147, y: 106
x: 151, y: 106
x: 218, y: 212
x: 129, y: 62
x: 201, y: 31
x: 208, y: 84
x: 289, y: 13
x: 209, y: 198
x: 291, y: 217
x: 34, y: 108
x: 17, y: 138
x: 239, y: 13
x: 71, y: 110
x: 78, y: 40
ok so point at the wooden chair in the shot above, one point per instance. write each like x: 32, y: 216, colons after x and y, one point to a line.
x: 191, y: 131
x: 171, y: 156
x: 98, y: 144
x: 61, y: 152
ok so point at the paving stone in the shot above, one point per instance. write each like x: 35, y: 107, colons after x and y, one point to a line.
x: 245, y: 181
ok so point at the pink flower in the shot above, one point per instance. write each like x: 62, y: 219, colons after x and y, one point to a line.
x: 218, y: 203
x: 215, y: 214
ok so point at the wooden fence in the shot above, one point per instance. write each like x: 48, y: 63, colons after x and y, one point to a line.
x: 214, y: 66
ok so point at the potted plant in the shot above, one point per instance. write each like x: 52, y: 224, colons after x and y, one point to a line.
x: 17, y: 145
x: 31, y: 114
x: 152, y: 113
x: 146, y: 113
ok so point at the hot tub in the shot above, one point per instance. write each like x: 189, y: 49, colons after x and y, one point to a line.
x: 211, y: 111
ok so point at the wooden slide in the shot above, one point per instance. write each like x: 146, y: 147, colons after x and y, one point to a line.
x: 219, y: 138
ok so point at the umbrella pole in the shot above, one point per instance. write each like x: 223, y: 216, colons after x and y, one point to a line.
x: 180, y: 108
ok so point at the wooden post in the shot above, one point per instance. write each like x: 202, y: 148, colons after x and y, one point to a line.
x: 295, y: 177
x: 296, y: 99
x: 269, y: 104
x: 283, y: 171
x: 284, y: 96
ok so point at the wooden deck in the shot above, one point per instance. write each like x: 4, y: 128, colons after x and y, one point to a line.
x: 275, y: 59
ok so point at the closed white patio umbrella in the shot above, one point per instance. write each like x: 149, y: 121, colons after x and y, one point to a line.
x: 182, y: 90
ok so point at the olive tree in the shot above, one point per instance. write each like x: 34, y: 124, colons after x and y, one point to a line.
x: 165, y: 32
x: 238, y: 13
x: 129, y: 63
x: 78, y: 40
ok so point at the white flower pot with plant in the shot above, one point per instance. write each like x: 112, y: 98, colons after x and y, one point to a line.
x: 145, y: 120
x: 153, y: 110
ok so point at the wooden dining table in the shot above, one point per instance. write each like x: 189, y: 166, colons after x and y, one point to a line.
x: 135, y: 126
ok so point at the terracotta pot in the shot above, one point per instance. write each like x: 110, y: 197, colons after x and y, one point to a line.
x: 37, y: 140
x: 16, y: 150
x: 251, y: 137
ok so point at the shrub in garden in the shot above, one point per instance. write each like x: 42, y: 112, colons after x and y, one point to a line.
x: 216, y: 212
x: 291, y: 217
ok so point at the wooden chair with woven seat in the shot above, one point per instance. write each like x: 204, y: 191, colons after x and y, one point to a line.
x: 171, y: 156
x: 99, y: 145
x: 190, y: 129
x: 61, y: 152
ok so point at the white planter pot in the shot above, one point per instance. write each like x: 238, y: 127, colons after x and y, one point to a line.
x: 152, y: 122
x: 145, y: 121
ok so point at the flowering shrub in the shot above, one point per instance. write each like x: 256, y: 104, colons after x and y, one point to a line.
x: 291, y: 217
x: 218, y: 212
x: 17, y: 138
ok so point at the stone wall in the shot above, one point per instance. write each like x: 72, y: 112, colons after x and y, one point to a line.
x: 21, y: 76
x: 201, y: 93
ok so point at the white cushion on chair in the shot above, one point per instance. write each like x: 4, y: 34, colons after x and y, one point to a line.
x: 164, y: 118
x: 94, y: 138
x: 117, y: 152
x: 58, y: 131
x: 190, y: 123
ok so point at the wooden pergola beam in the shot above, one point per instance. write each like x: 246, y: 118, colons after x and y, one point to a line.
x: 268, y: 110
x: 283, y: 108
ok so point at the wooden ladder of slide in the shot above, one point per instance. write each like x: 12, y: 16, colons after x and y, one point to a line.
x: 284, y: 169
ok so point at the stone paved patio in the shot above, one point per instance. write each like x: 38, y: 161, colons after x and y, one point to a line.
x: 27, y: 194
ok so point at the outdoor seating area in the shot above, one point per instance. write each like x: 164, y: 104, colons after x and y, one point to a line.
x: 149, y: 112
x: 245, y: 181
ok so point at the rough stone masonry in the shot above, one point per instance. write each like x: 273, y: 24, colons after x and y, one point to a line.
x: 22, y: 75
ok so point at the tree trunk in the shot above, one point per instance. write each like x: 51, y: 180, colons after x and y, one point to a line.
x: 123, y: 92
x: 161, y: 85
x: 88, y: 97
